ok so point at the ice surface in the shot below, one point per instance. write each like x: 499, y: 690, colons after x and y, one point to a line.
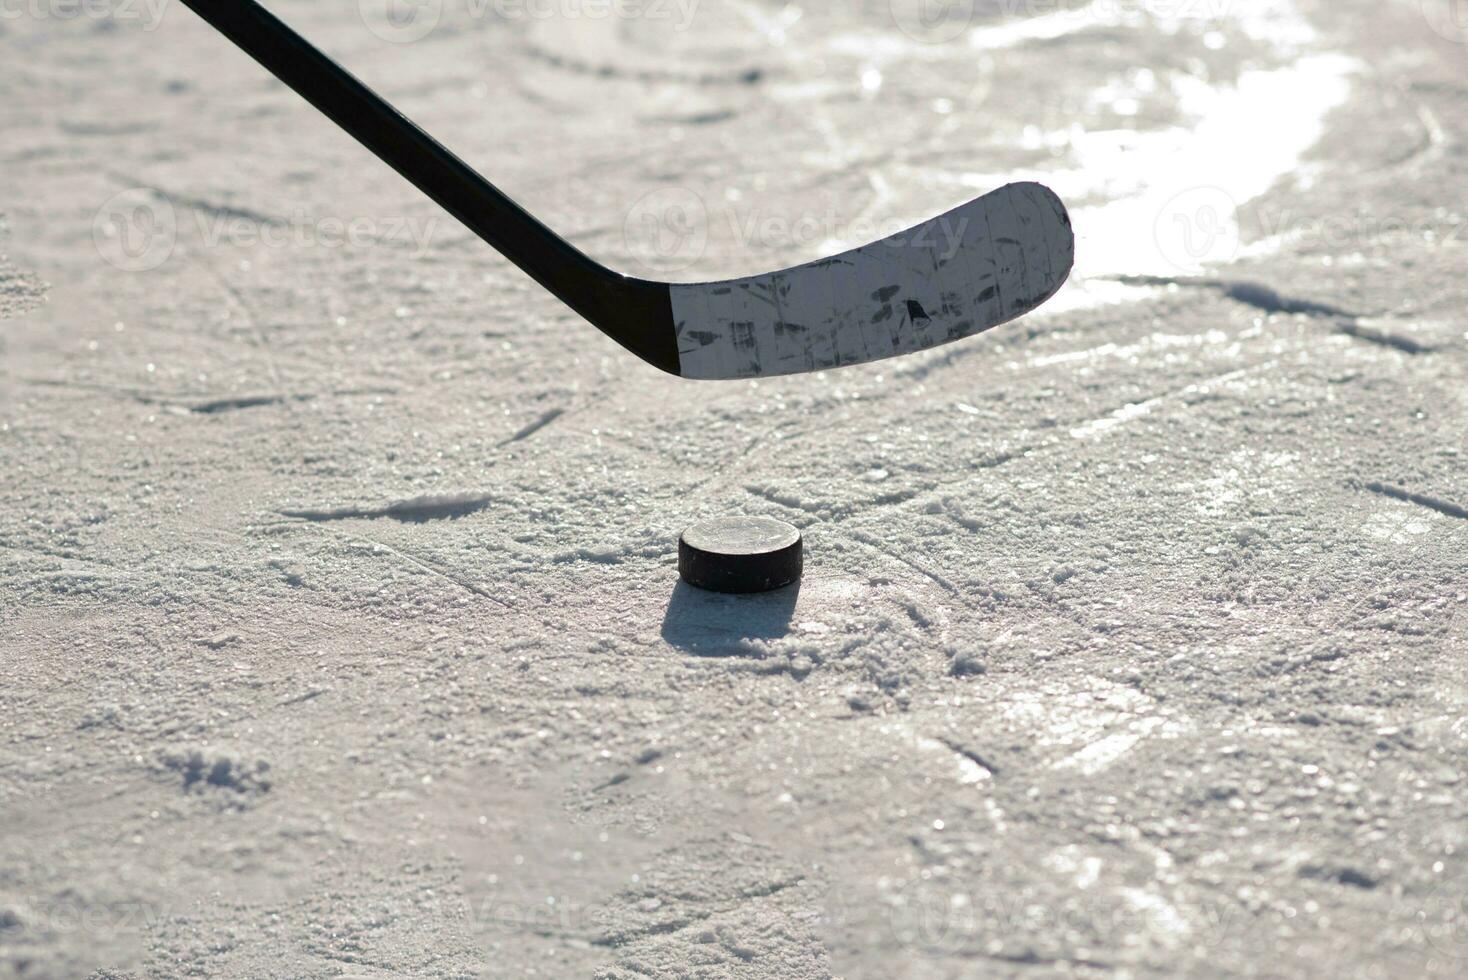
x: 339, y: 618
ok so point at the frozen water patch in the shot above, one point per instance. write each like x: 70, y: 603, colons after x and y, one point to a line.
x: 1183, y: 218
x: 1172, y: 196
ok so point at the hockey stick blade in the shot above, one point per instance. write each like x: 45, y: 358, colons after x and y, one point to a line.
x: 973, y: 268
x: 979, y: 265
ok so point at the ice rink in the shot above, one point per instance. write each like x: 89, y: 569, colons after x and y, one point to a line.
x: 340, y: 628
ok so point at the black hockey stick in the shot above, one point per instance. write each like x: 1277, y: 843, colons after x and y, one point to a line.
x: 979, y: 265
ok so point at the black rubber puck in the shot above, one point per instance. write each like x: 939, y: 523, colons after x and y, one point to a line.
x: 740, y: 554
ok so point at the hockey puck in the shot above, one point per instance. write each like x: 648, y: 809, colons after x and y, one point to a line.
x: 740, y: 554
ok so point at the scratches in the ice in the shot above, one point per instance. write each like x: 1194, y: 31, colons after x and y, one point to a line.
x: 1341, y: 874
x: 988, y: 768
x: 1135, y: 410
x: 222, y: 212
x: 216, y: 406
x: 895, y: 498
x: 525, y: 432
x: 67, y: 384
x: 182, y: 404
x: 246, y: 401
x: 1120, y: 416
x: 1256, y: 294
x: 429, y: 507
x: 752, y: 75
x: 105, y: 128
x: 1430, y: 147
x: 60, y: 555
x: 931, y: 495
x: 697, y: 118
x: 1100, y: 754
x: 678, y: 921
x: 310, y: 694
x: 1445, y: 507
x: 775, y: 497
x: 1270, y: 300
x: 720, y: 475
x: 1266, y: 299
x: 251, y: 320
x: 1365, y: 329
x: 871, y: 542
x: 1032, y: 958
x: 436, y: 570
x: 202, y: 204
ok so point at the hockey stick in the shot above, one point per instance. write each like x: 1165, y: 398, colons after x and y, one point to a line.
x: 973, y: 268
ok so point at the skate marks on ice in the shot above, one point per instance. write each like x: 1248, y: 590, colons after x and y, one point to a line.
x: 628, y: 865
x: 1444, y: 507
x: 414, y: 510
x: 761, y: 852
x: 679, y: 43
x: 675, y: 64
x: 1408, y: 337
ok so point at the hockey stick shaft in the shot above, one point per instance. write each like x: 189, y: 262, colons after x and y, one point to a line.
x: 586, y: 286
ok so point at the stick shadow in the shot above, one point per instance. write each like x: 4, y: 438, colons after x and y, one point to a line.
x: 710, y: 624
